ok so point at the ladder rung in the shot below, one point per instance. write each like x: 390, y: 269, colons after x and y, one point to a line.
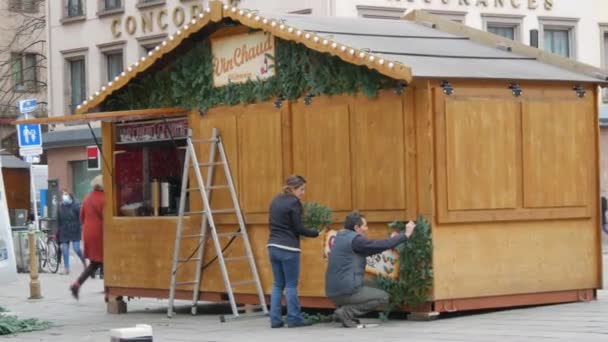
x: 223, y: 211
x: 235, y: 258
x: 192, y: 236
x: 185, y: 283
x: 223, y: 186
x: 188, y: 260
x: 243, y: 282
x: 205, y: 140
x: 229, y: 234
x: 198, y: 212
x: 210, y: 164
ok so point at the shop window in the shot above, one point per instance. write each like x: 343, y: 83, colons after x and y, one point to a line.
x: 74, y: 8
x: 604, y: 54
x: 557, y: 41
x: 77, y: 86
x: 112, y: 4
x: 81, y: 178
x: 508, y: 26
x: 507, y: 32
x: 114, y: 65
x: 148, y: 43
x: 559, y: 36
x: 378, y: 12
x: 149, y: 3
x: 23, y: 70
x: 148, y: 167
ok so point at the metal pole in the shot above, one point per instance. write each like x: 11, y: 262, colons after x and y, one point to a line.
x: 33, y: 185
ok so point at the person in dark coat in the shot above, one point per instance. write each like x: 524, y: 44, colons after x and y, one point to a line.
x: 91, y: 216
x: 68, y: 220
x: 344, y: 283
x: 286, y: 228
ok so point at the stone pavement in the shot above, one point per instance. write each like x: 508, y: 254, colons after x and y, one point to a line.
x: 86, y: 320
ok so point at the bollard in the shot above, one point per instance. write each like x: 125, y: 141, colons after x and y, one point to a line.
x: 34, y: 282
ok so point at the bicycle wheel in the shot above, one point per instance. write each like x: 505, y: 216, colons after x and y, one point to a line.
x: 53, y: 255
x: 42, y: 255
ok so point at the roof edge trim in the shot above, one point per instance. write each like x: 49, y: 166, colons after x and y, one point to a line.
x: 215, y: 13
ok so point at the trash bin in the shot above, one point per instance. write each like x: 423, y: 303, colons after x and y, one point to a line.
x: 21, y: 246
x: 139, y: 333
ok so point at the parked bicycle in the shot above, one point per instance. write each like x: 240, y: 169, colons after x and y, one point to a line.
x: 49, y: 254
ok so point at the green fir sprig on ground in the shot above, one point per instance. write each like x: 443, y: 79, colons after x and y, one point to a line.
x: 317, y: 318
x: 10, y: 324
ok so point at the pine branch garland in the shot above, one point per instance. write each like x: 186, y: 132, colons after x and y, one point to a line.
x: 188, y: 81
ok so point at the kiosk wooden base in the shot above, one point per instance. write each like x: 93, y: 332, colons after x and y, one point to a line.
x: 430, y: 311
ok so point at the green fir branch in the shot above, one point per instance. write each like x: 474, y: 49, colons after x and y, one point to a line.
x: 187, y: 82
x: 415, y: 269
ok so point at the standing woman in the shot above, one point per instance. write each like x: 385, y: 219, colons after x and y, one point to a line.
x: 68, y: 220
x: 284, y: 250
x: 91, y: 216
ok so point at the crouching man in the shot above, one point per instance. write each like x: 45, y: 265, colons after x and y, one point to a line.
x: 344, y: 283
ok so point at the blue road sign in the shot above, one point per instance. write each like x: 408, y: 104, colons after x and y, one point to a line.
x: 27, y: 106
x: 29, y: 135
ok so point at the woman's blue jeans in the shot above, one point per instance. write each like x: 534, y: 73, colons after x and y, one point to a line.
x: 65, y: 248
x: 286, y: 272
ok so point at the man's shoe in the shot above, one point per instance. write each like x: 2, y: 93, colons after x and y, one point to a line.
x: 299, y: 324
x: 278, y: 325
x: 337, y: 319
x: 346, y: 322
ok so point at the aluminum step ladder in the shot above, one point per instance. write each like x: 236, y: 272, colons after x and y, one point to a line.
x: 205, y: 188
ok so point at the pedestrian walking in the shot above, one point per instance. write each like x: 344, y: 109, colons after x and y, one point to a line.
x: 68, y: 221
x: 284, y: 250
x: 91, y: 216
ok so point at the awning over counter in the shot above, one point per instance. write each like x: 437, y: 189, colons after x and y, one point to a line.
x: 125, y: 115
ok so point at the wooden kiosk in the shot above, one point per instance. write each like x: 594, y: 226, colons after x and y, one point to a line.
x: 496, y: 146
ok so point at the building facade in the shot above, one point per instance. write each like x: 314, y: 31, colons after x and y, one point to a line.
x: 106, y: 36
x: 23, y: 63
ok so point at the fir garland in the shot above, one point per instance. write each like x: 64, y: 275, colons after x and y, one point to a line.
x: 188, y: 81
x: 415, y: 269
x: 316, y: 216
x: 10, y: 324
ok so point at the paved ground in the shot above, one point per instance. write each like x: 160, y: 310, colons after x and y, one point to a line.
x: 86, y: 320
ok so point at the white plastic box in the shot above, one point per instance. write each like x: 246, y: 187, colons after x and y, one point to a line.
x: 139, y: 333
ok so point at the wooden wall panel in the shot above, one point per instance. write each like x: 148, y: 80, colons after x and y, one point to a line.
x: 482, y: 153
x: 260, y: 157
x: 489, y: 259
x: 378, y: 153
x: 519, y: 181
x: 143, y: 258
x: 224, y: 119
x: 558, y: 137
x: 17, y: 188
x: 321, y: 149
x: 138, y: 251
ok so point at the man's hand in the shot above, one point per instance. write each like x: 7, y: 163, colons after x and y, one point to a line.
x: 409, y: 228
